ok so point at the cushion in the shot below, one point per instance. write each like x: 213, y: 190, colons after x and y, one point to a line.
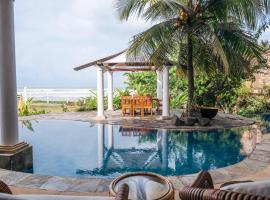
x: 50, y: 197
x: 258, y: 188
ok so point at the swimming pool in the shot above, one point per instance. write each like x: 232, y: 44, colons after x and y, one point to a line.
x: 81, y: 149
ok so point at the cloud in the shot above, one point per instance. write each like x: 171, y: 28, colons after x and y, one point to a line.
x: 52, y: 37
x: 266, y: 35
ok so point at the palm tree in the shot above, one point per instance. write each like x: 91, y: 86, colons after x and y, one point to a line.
x: 220, y: 33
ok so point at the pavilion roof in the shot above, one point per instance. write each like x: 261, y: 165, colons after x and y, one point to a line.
x: 120, y: 62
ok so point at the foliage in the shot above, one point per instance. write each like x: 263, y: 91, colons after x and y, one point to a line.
x: 24, y: 109
x: 266, y: 90
x: 87, y: 104
x: 265, y: 44
x: 227, y: 93
x: 90, y: 103
x: 222, y: 34
x: 218, y: 90
x: 142, y: 82
x: 251, y: 105
x: 180, y: 100
x: 28, y: 125
x: 118, y: 94
x: 145, y: 83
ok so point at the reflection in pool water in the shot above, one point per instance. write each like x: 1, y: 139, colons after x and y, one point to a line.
x: 68, y: 148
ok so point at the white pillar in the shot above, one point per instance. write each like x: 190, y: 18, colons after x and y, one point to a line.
x: 110, y: 136
x: 166, y: 98
x: 164, y: 151
x: 110, y: 90
x: 8, y: 87
x: 100, y: 93
x: 159, y: 84
x: 100, y: 130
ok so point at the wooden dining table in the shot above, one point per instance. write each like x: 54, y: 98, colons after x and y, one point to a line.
x: 131, y: 104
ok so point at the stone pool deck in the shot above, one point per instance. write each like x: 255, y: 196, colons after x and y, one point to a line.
x: 254, y: 167
x: 221, y: 121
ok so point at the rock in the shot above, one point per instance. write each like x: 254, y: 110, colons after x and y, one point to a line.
x: 176, y: 121
x: 204, y: 121
x: 190, y: 121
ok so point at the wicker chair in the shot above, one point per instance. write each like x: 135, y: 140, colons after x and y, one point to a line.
x: 203, y: 189
x: 122, y: 193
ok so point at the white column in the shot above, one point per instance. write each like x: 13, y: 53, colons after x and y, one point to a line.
x: 8, y: 87
x: 110, y: 90
x: 166, y: 98
x: 100, y: 130
x: 110, y: 136
x: 159, y: 84
x: 159, y: 137
x: 164, y: 152
x: 100, y: 93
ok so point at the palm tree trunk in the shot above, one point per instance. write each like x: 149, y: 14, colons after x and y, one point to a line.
x: 190, y: 75
x: 190, y: 69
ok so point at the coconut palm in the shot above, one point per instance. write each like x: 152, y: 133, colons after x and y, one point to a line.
x: 202, y: 33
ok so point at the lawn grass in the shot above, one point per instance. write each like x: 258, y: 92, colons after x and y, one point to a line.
x: 53, y: 107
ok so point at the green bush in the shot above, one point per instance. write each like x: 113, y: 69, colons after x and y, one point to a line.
x: 251, y: 105
x: 218, y: 90
x: 24, y: 109
x: 145, y: 83
x: 118, y: 94
x: 87, y: 104
x: 142, y: 82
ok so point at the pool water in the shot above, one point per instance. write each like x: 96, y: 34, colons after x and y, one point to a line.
x: 81, y: 149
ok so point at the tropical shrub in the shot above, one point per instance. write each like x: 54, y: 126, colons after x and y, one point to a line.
x: 145, y: 83
x: 218, y: 90
x: 180, y: 100
x: 24, y: 109
x: 251, y: 105
x: 118, y: 94
x: 87, y: 104
x: 142, y: 82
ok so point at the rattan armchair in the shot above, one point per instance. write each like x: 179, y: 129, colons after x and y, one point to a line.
x: 4, y: 188
x: 203, y: 189
x: 122, y: 193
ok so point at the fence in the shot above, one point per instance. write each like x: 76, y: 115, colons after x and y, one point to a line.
x: 55, y: 94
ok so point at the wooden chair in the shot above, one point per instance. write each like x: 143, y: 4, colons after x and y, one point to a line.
x: 203, y: 189
x: 148, y: 104
x: 138, y: 104
x: 127, y: 105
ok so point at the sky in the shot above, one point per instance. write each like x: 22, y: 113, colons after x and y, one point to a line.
x: 54, y: 36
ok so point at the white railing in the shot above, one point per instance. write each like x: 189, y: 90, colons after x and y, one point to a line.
x: 55, y: 94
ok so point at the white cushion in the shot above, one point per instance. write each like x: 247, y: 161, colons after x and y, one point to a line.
x: 259, y: 188
x: 50, y: 197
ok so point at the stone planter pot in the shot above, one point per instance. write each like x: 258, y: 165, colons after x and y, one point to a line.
x: 208, y: 112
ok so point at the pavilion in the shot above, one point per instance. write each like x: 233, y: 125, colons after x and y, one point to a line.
x: 119, y: 62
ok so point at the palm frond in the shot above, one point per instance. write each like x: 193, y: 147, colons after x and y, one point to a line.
x: 155, y: 44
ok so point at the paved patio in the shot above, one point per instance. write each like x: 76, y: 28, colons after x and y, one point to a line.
x: 221, y: 121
